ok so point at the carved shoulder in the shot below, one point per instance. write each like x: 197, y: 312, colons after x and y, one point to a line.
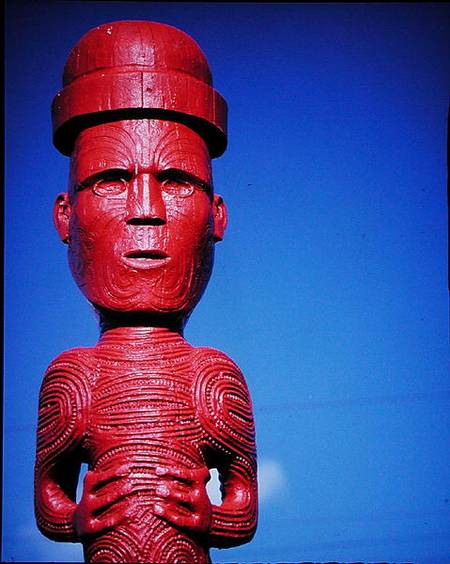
x: 223, y: 403
x: 64, y: 403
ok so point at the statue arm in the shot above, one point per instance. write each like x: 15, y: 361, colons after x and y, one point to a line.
x: 61, y: 426
x: 225, y: 409
x: 234, y: 521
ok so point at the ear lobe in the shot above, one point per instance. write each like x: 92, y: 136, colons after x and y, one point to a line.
x: 220, y: 217
x: 61, y: 216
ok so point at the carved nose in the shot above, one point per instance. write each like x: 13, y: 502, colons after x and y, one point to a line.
x: 145, y: 204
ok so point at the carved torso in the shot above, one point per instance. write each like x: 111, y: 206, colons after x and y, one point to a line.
x: 142, y: 401
x: 142, y: 412
x: 150, y: 403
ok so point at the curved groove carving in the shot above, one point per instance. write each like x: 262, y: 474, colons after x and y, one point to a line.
x: 223, y: 403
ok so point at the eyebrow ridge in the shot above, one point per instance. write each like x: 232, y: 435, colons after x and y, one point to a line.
x: 124, y: 172
x: 187, y: 176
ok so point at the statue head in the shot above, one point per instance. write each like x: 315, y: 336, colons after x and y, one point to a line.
x: 141, y: 121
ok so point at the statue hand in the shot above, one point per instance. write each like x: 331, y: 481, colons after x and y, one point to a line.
x: 98, y: 509
x: 184, y: 501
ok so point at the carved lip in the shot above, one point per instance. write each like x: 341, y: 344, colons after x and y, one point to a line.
x: 148, y: 258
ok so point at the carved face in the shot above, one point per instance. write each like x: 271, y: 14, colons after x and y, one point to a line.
x: 140, y: 218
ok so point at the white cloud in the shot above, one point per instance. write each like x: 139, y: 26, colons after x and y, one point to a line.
x: 271, y: 479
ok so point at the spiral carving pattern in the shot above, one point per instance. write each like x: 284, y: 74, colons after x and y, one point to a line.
x: 63, y: 412
x: 223, y: 402
x: 170, y: 548
x: 63, y: 407
x: 116, y: 546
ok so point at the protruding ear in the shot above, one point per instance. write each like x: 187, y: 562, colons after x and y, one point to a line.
x: 61, y: 216
x: 220, y: 217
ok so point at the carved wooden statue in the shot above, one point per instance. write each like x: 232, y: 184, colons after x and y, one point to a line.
x: 148, y: 413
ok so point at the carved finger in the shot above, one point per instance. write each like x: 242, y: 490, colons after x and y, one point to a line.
x: 192, y: 498
x: 94, y: 480
x: 174, y: 493
x: 107, y: 476
x: 182, y: 518
x: 115, y: 493
x: 100, y: 525
x: 171, y: 512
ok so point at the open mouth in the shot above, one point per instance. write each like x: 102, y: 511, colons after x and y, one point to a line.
x: 142, y: 255
x: 146, y: 259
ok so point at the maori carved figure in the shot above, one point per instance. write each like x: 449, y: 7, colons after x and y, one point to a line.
x: 149, y: 413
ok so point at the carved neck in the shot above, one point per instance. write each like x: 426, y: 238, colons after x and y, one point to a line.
x: 140, y: 329
x: 140, y: 335
x: 142, y: 322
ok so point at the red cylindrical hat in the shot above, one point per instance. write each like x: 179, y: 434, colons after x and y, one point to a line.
x: 138, y: 69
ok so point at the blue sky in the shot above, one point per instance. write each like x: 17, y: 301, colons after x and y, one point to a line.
x: 329, y: 289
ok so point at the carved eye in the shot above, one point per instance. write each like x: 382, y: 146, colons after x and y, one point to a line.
x: 178, y: 187
x: 111, y: 183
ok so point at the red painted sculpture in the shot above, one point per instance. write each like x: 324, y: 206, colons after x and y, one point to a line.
x: 148, y: 413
